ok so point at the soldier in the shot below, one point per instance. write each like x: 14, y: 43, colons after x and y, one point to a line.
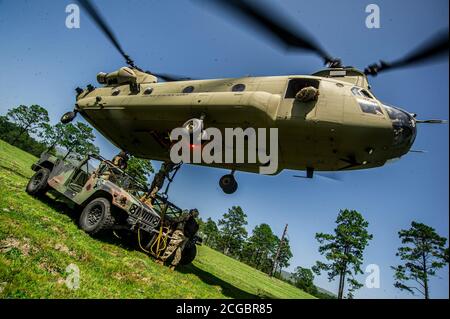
x: 158, y: 182
x: 185, y: 227
x: 307, y: 94
x: 121, y: 160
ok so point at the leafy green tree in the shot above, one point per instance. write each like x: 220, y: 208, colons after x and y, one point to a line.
x: 423, y: 252
x: 304, y: 279
x: 50, y: 134
x: 76, y: 138
x: 85, y: 139
x: 28, y: 118
x: 232, y: 231
x: 211, y: 232
x: 285, y: 254
x: 260, y: 247
x: 344, y: 250
x: 9, y: 132
x: 90, y: 148
x: 139, y: 168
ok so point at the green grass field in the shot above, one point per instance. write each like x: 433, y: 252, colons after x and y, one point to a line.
x: 40, y: 238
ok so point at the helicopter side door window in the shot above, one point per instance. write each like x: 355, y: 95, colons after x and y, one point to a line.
x: 295, y: 85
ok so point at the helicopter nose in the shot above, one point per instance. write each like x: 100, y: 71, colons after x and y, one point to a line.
x: 412, y: 129
x: 404, y: 127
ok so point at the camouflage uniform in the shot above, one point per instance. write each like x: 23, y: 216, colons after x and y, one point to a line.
x: 120, y: 160
x: 176, y: 245
x: 186, y: 226
x: 307, y: 94
x: 158, y: 180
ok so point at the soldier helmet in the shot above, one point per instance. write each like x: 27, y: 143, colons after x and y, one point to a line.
x: 194, y: 212
x: 123, y: 154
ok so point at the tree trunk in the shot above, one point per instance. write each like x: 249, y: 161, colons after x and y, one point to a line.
x: 425, y: 277
x: 69, y: 152
x: 341, y: 285
x: 20, y: 134
x: 342, y: 275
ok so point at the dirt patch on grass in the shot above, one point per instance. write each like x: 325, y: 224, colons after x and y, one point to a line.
x: 24, y: 245
x: 64, y: 249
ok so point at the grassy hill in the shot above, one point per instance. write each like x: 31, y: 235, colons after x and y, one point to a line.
x: 40, y: 238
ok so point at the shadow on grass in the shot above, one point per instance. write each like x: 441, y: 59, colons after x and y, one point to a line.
x: 14, y: 170
x: 121, y: 239
x: 127, y: 240
x: 227, y: 289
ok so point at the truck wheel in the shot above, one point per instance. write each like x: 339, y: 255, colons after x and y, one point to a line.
x: 188, y: 254
x: 38, y: 183
x: 96, y: 216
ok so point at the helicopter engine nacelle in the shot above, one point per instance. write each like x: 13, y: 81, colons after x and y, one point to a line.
x: 124, y: 75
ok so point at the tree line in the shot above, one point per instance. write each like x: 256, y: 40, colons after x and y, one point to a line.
x: 258, y: 249
x: 422, y: 253
x: 29, y: 128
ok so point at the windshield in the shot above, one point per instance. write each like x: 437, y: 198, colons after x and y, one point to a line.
x: 120, y: 178
x: 403, y: 125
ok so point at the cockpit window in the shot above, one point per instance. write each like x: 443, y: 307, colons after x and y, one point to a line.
x: 356, y: 91
x: 370, y: 107
x: 403, y: 125
x: 362, y: 92
x: 367, y: 106
x: 366, y: 94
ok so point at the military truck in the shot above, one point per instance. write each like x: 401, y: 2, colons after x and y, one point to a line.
x: 108, y: 199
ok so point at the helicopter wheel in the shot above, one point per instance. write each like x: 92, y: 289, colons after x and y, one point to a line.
x: 228, y: 184
x: 68, y: 117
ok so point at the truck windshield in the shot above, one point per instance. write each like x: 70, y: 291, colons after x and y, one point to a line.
x: 119, y: 177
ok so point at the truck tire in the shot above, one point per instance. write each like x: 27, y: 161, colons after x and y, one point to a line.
x: 37, y: 185
x: 96, y: 216
x: 188, y: 254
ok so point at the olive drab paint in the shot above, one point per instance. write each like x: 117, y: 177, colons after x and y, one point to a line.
x: 344, y: 127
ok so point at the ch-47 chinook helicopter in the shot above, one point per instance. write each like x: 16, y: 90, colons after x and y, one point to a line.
x: 342, y: 127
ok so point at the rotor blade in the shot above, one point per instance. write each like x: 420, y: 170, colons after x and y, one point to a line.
x: 275, y: 25
x: 101, y: 23
x: 431, y: 121
x: 433, y: 49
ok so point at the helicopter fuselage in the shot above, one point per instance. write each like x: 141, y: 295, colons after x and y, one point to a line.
x: 345, y: 127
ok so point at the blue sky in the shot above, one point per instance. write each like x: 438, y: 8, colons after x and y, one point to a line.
x: 43, y: 61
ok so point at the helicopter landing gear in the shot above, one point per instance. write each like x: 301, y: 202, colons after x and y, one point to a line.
x: 228, y: 183
x: 68, y: 117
